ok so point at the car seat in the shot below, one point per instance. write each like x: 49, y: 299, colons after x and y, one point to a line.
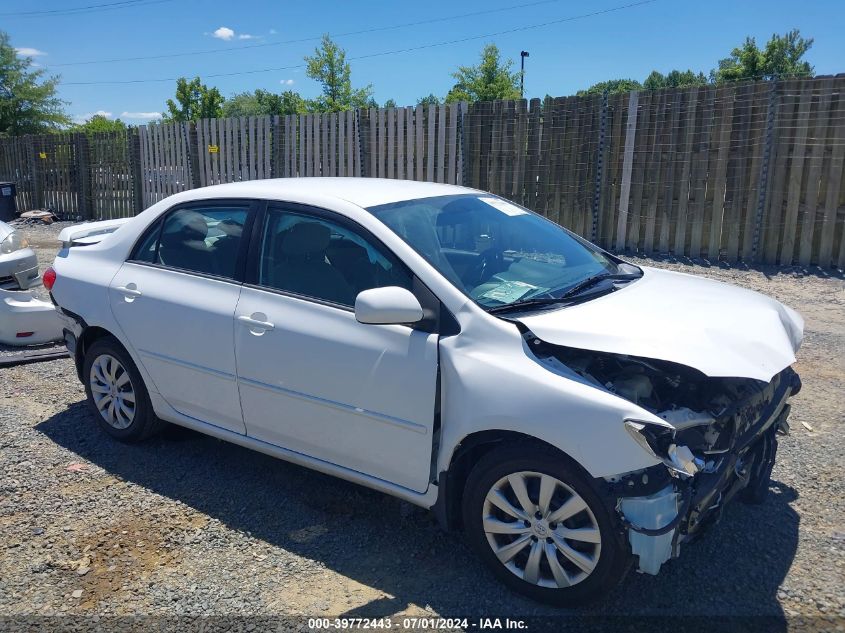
x: 303, y: 268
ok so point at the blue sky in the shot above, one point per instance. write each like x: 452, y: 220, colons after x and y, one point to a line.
x: 565, y: 57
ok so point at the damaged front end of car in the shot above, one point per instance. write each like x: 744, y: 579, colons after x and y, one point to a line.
x: 715, y: 438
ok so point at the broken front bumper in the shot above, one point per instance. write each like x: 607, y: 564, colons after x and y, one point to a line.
x: 660, y: 508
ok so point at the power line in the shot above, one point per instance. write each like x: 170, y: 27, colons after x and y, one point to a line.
x: 380, y: 54
x: 215, y: 51
x: 91, y: 8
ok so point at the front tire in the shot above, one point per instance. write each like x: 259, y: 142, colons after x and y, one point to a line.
x: 116, y: 392
x: 540, y: 526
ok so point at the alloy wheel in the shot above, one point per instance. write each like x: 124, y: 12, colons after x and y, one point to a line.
x: 541, y: 530
x: 112, y: 391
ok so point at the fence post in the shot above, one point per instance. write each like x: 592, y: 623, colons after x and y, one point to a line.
x: 627, y: 167
x: 37, y: 172
x: 361, y: 137
x: 82, y: 150
x: 193, y: 154
x: 462, y: 140
x: 276, y: 148
x: 763, y: 185
x: 133, y: 141
x: 599, y: 167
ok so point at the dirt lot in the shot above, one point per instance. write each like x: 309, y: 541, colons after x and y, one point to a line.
x: 185, y: 524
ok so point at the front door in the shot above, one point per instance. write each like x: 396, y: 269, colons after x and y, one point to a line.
x: 175, y: 301
x: 314, y: 380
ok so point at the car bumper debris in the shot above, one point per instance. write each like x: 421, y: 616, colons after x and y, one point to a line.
x: 25, y: 318
x: 699, y: 488
x: 715, y: 438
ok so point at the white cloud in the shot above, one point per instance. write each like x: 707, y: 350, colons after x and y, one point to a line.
x: 140, y: 115
x: 286, y: 82
x: 227, y: 35
x: 81, y: 118
x: 224, y: 33
x: 29, y: 52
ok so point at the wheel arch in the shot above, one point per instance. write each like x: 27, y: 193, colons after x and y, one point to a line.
x: 452, y: 481
x: 89, y: 335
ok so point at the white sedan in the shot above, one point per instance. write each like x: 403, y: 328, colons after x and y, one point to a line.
x: 571, y: 412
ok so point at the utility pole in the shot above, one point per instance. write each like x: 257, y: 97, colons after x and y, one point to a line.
x: 522, y: 56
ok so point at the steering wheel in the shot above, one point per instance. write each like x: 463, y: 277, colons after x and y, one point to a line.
x: 489, y: 262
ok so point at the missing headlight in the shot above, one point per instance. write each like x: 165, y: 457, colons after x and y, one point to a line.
x: 659, y: 441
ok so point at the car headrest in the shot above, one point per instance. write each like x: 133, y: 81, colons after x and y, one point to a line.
x: 230, y: 228
x: 306, y: 238
x: 185, y: 226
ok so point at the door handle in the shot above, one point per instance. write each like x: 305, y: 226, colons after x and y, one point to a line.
x: 256, y: 323
x: 128, y: 291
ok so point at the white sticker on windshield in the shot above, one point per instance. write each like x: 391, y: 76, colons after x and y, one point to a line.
x: 509, y: 291
x: 504, y: 206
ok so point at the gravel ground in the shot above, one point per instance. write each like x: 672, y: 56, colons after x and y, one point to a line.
x: 188, y: 525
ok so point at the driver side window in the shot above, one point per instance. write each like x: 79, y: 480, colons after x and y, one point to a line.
x: 315, y: 257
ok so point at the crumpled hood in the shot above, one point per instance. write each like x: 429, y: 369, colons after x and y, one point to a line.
x: 719, y: 329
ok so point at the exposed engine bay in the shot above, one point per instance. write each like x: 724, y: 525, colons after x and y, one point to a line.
x: 718, y: 440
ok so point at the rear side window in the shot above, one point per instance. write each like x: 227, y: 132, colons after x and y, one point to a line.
x: 197, y: 240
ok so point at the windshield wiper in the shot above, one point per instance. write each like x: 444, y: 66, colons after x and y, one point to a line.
x: 566, y: 297
x: 592, y: 281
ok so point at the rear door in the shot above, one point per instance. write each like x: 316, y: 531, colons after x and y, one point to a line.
x: 312, y: 378
x: 175, y: 300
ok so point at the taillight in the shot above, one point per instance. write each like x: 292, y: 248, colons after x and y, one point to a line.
x: 49, y: 278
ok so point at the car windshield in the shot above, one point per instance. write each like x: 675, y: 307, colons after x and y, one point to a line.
x: 496, y: 252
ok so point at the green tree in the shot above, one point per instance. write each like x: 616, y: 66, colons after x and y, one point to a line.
x: 328, y: 66
x: 194, y: 101
x: 430, y: 99
x: 782, y: 57
x: 99, y: 123
x: 262, y: 102
x: 291, y: 102
x: 611, y: 86
x: 28, y: 100
x: 390, y: 103
x: 491, y: 79
x: 674, y: 79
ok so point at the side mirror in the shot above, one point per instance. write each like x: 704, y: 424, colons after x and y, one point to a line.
x: 390, y: 305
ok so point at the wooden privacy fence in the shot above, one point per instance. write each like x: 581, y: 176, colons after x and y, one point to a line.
x: 743, y: 172
x: 749, y: 171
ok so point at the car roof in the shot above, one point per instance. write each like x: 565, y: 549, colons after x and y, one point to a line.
x: 364, y: 192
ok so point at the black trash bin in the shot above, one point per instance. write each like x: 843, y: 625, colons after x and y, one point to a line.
x: 8, y: 206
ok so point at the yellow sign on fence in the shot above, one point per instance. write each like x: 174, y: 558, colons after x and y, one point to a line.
x: 42, y: 154
x: 213, y: 149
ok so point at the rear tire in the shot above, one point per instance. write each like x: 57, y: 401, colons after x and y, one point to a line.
x: 540, y: 526
x: 116, y: 392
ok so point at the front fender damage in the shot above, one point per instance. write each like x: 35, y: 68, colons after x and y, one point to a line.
x: 716, y: 439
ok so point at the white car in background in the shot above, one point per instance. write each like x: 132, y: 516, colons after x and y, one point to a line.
x: 571, y: 412
x: 25, y: 319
